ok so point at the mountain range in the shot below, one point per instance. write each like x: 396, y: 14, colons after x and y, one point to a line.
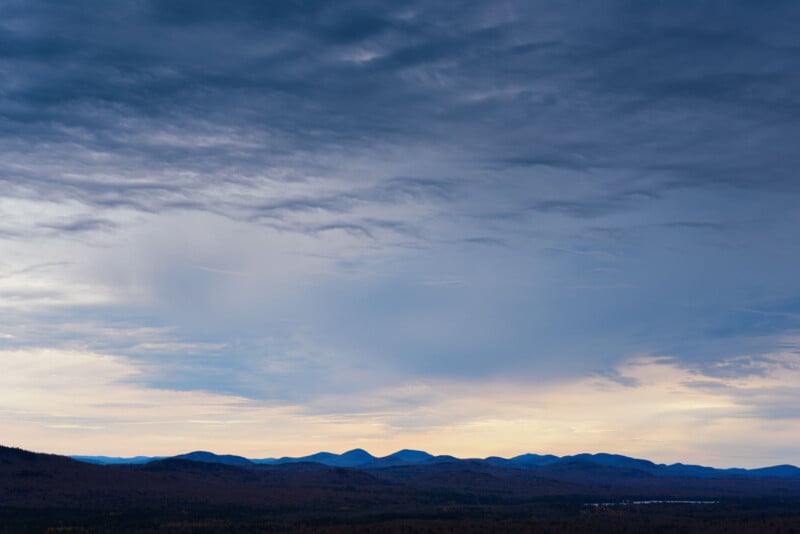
x: 359, y: 458
x: 409, y: 490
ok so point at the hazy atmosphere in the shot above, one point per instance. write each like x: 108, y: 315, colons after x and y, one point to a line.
x: 474, y: 228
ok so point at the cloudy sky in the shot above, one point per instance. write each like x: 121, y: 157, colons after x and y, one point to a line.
x: 273, y: 228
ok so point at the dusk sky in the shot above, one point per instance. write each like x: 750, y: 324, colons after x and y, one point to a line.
x: 474, y: 228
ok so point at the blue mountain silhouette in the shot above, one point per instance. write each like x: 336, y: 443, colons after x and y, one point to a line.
x: 211, y: 458
x: 585, y: 462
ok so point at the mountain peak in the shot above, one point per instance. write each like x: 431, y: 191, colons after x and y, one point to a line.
x: 358, y: 453
x: 212, y: 458
x: 408, y: 454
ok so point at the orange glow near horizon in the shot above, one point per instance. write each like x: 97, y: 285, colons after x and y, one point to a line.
x: 72, y: 402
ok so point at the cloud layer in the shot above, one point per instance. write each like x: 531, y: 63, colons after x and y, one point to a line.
x: 648, y: 406
x: 289, y: 203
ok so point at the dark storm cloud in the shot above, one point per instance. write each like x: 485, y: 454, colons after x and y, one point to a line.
x: 674, y: 92
x: 320, y: 117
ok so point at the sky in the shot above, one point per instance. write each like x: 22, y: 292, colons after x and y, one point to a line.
x: 474, y: 228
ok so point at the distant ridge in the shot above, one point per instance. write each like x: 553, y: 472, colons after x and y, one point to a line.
x: 361, y: 459
x: 353, y: 458
x: 37, y: 491
x: 113, y: 460
x: 211, y: 458
x: 535, y: 459
x: 403, y: 457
